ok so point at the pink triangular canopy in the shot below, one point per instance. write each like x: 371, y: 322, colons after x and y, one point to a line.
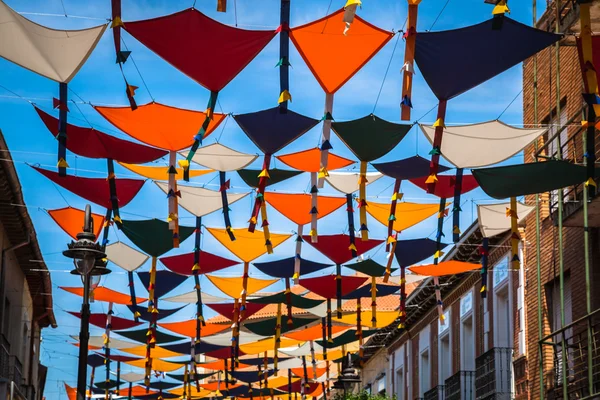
x: 336, y: 247
x: 444, y: 188
x: 183, y: 263
x: 326, y: 286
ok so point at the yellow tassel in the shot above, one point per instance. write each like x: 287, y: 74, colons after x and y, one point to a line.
x: 397, y: 196
x: 439, y: 122
x: 442, y: 317
x: 116, y: 22
x: 391, y: 240
x: 438, y: 254
x: 431, y: 179
x: 253, y: 220
x: 154, y: 310
x: 196, y: 267
x: 184, y: 164
x: 590, y: 182
x: 264, y: 174
x: 110, y: 176
x: 353, y: 2
x: 456, y: 230
x: 313, y: 232
x: 62, y: 163
x: 296, y: 275
x: 500, y: 9
x: 284, y: 96
x: 117, y: 219
x: 482, y: 289
x: 323, y: 173
x: 137, y: 314
x: 352, y: 247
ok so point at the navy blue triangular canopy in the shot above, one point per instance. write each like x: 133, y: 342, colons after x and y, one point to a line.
x: 271, y: 130
x: 284, y: 268
x: 408, y: 168
x: 250, y: 376
x: 261, y: 360
x: 365, y: 291
x: 165, y: 281
x: 161, y: 385
x: 457, y: 60
x: 200, y: 348
x: 412, y: 251
x: 148, y: 316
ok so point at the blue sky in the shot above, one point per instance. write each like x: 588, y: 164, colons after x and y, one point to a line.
x: 255, y: 88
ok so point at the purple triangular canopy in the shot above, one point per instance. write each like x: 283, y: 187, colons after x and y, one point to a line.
x: 408, y: 168
x: 412, y: 251
x: 164, y: 283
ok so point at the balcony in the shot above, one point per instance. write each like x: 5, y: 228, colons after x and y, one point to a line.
x: 4, y: 358
x: 494, y: 374
x: 436, y: 393
x: 460, y: 386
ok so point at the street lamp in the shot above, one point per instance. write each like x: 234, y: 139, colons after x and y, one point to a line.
x: 348, y: 378
x: 88, y: 258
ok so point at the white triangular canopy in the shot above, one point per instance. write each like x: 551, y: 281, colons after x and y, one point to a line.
x: 115, y: 344
x: 221, y: 158
x: 321, y: 310
x: 483, y: 144
x: 347, y: 182
x: 303, y: 350
x: 493, y: 220
x: 191, y: 298
x: 410, y: 278
x: 125, y: 256
x: 53, y: 53
x: 200, y: 201
x: 132, y: 377
x: 224, y: 339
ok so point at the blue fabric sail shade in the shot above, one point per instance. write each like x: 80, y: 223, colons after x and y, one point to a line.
x: 457, y: 60
x: 271, y: 130
x: 165, y: 281
x: 408, y: 168
x: 250, y: 376
x: 284, y: 268
x: 200, y: 348
x: 148, y: 316
x: 413, y: 251
x: 364, y: 292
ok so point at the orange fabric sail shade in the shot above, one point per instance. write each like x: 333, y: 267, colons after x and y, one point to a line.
x: 233, y: 287
x: 247, y: 246
x: 157, y: 365
x: 310, y: 160
x: 162, y: 173
x: 298, y: 207
x: 407, y: 214
x: 314, y: 332
x: 451, y: 267
x: 71, y: 220
x: 332, y: 56
x: 188, y: 328
x: 105, y: 294
x: 159, y: 125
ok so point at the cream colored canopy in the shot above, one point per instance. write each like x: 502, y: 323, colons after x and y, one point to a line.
x: 493, y: 220
x: 483, y: 144
x: 192, y: 298
x: 53, y: 53
x: 347, y: 182
x: 221, y: 158
x: 125, y: 256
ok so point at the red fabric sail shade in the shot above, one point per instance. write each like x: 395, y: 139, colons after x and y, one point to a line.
x: 95, y: 190
x: 325, y: 286
x: 207, y: 51
x: 297, y: 207
x: 183, y: 263
x: 444, y: 188
x: 117, y: 323
x: 335, y: 247
x: 297, y: 386
x: 227, y: 309
x: 91, y: 143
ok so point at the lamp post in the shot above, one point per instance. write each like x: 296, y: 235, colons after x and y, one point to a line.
x: 88, y: 258
x: 348, y: 378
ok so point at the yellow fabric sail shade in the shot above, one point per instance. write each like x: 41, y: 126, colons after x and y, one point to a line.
x: 451, y: 267
x: 233, y: 287
x: 407, y: 214
x: 162, y: 173
x: 157, y: 352
x: 157, y: 365
x: 384, y: 318
x: 267, y: 344
x: 247, y: 246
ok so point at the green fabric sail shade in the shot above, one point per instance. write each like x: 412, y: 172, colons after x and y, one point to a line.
x: 267, y: 327
x: 250, y: 176
x: 153, y: 236
x: 281, y: 298
x: 140, y: 336
x: 345, y: 338
x: 369, y: 267
x: 370, y: 137
x: 531, y: 178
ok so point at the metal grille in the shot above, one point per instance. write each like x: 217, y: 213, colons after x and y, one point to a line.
x: 460, y: 386
x: 437, y: 393
x: 493, y: 374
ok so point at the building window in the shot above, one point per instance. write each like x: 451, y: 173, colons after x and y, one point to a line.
x: 503, y: 319
x: 501, y: 270
x: 554, y: 314
x: 400, y: 383
x: 6, y: 316
x: 424, y: 372
x: 368, y: 388
x: 555, y: 124
x: 444, y: 349
x: 380, y: 385
x: 467, y: 333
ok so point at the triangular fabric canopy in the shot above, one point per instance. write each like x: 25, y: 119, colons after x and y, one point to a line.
x: 345, y: 338
x: 165, y: 281
x: 281, y: 298
x: 188, y: 328
x: 444, y: 187
x: 91, y: 143
x: 106, y: 385
x: 250, y: 176
x: 157, y: 365
x: 183, y: 263
x: 148, y: 316
x: 267, y: 327
x: 211, y: 350
x: 297, y: 387
x: 476, y: 53
x: 409, y: 278
x: 95, y: 360
x: 125, y: 257
x: 54, y: 53
x: 96, y: 190
x: 483, y: 144
x: 406, y: 215
x: 161, y: 385
x: 247, y: 246
x: 493, y: 219
x: 157, y: 352
x: 116, y: 344
x: 451, y: 267
x: 412, y: 251
x: 305, y: 349
x: 207, y: 51
x: 71, y: 392
x: 325, y: 286
x: 359, y: 136
x: 348, y: 182
x: 99, y: 320
x: 200, y: 201
x: 153, y: 236
x: 141, y: 337
x: 364, y: 292
x: 408, y: 168
x: 217, y: 365
x: 335, y: 247
x: 159, y: 125
x: 284, y: 268
x: 310, y: 160
x: 132, y: 377
x: 136, y: 391
x: 297, y: 207
x: 368, y: 267
x: 162, y: 173
x: 102, y: 293
x: 332, y: 56
x: 384, y: 318
x: 232, y: 287
x: 251, y: 376
x: 224, y: 339
x: 71, y: 221
x: 227, y: 310
x: 532, y: 178
x: 182, y: 377
x: 221, y: 158
x: 192, y: 297
x: 271, y: 130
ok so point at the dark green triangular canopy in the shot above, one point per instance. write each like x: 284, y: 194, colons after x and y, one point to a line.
x: 346, y: 338
x: 153, y: 236
x: 281, y: 298
x: 180, y: 377
x: 370, y: 137
x: 369, y: 267
x: 140, y: 336
x: 267, y: 327
x: 106, y: 385
x: 531, y: 178
x: 250, y: 176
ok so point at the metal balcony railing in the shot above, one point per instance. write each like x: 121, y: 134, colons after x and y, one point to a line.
x: 494, y: 374
x: 460, y: 386
x: 4, y: 360
x: 436, y: 393
x: 15, y: 373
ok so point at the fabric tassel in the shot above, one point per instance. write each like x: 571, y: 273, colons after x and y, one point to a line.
x: 173, y: 202
x: 262, y: 183
x: 212, y: 103
x: 222, y: 6
x: 244, y: 291
x: 324, y: 336
x: 277, y: 336
x: 107, y: 345
x: 484, y: 251
x: 388, y: 267
x: 305, y: 378
x: 515, y: 239
x: 338, y: 290
x: 326, y: 136
x: 284, y: 56
x: 225, y: 203
x: 313, y: 359
x: 349, y: 13
x: 289, y: 386
x: 114, y: 197
x: 130, y: 92
x: 196, y: 272
x: 62, y: 129
x: 437, y: 143
x: 438, y: 253
x: 265, y: 226
x: 374, y: 302
x: 235, y: 332
x: 92, y: 383
x: 298, y: 260
x: 288, y: 300
x: 362, y: 194
x: 116, y: 25
x: 456, y: 210
x: 409, y: 57
x: 395, y: 198
x: 351, y: 228
x: 329, y: 322
x: 314, y: 204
